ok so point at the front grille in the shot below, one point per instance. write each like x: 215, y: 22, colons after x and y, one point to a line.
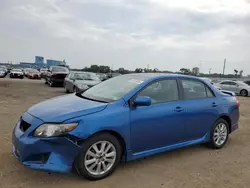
x: 24, y: 125
x: 59, y: 76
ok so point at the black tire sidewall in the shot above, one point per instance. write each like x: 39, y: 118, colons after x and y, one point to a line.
x: 212, y: 142
x: 246, y: 93
x: 79, y: 163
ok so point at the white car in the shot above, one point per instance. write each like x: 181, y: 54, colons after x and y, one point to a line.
x: 16, y: 73
x: 238, y: 87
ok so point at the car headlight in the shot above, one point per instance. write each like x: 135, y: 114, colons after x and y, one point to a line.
x: 51, y: 130
x: 82, y: 86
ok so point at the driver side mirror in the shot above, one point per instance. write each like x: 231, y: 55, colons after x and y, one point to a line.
x: 142, y: 101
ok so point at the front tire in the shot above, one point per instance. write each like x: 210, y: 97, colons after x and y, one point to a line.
x: 99, y: 157
x: 244, y: 93
x: 219, y: 134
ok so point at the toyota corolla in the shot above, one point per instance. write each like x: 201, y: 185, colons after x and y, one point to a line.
x: 123, y: 119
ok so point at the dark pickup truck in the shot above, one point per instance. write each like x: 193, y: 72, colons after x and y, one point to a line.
x: 56, y: 75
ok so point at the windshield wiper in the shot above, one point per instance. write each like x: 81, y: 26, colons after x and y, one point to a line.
x: 79, y: 94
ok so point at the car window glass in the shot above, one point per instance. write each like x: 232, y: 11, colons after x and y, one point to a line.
x: 209, y: 92
x: 232, y: 83
x: 193, y: 89
x: 225, y: 83
x: 161, y: 91
x: 70, y: 76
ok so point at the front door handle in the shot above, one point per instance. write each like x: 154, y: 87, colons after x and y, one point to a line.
x: 214, y: 104
x: 178, y: 109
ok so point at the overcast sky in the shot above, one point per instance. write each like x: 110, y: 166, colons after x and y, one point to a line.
x: 166, y: 34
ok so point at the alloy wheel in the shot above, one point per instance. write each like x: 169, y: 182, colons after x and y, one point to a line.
x: 100, y: 158
x: 244, y: 93
x: 220, y: 134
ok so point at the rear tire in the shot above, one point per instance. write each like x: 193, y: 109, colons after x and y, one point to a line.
x: 102, y: 158
x: 51, y: 84
x: 244, y: 93
x: 219, y: 134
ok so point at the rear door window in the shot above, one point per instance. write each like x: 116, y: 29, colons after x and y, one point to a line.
x: 194, y: 89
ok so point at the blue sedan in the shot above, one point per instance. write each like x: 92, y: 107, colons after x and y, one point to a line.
x: 123, y: 119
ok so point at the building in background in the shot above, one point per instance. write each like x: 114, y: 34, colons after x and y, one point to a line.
x: 51, y: 62
x: 38, y: 64
x: 39, y: 60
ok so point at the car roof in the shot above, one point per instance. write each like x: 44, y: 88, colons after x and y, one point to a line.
x: 146, y: 76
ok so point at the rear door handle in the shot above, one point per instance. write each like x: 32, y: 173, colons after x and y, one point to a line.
x: 178, y: 109
x: 214, y: 104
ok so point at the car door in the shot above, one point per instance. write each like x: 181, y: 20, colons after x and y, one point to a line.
x: 201, y: 109
x: 161, y: 123
x: 234, y: 87
x: 225, y: 85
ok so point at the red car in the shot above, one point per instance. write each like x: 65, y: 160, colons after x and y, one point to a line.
x: 56, y: 75
x: 34, y: 74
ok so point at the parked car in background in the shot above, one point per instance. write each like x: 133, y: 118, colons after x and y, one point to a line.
x: 247, y: 82
x: 80, y: 81
x: 3, y: 72
x: 16, y: 73
x: 238, y: 87
x: 102, y: 76
x: 5, y: 69
x: 56, y: 75
x: 26, y: 71
x: 124, y: 118
x: 211, y: 82
x: 43, y: 72
x: 34, y: 74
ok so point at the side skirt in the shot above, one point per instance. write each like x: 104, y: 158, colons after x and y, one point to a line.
x: 132, y: 156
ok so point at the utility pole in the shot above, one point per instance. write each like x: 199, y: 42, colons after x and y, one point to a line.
x: 210, y: 71
x: 224, y: 66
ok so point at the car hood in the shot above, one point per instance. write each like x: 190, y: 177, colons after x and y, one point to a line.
x: 87, y: 82
x: 65, y: 107
x: 16, y: 72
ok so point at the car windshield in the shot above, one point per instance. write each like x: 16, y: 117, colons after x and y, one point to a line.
x: 17, y: 70
x: 33, y: 71
x: 59, y: 69
x: 114, y: 88
x: 86, y: 76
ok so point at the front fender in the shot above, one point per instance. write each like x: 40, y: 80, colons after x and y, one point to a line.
x: 113, y: 118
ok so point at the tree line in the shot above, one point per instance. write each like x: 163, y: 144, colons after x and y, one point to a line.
x: 194, y: 71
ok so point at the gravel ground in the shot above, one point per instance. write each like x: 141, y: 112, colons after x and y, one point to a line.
x: 191, y: 167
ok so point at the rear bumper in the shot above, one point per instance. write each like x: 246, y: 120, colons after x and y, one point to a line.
x: 50, y: 154
x: 234, y: 127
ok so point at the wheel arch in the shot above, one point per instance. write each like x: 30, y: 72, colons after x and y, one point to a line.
x: 228, y: 120
x: 119, y: 137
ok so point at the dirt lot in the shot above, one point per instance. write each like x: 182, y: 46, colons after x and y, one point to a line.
x: 190, y: 167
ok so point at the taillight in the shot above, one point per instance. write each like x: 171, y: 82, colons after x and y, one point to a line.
x: 238, y: 104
